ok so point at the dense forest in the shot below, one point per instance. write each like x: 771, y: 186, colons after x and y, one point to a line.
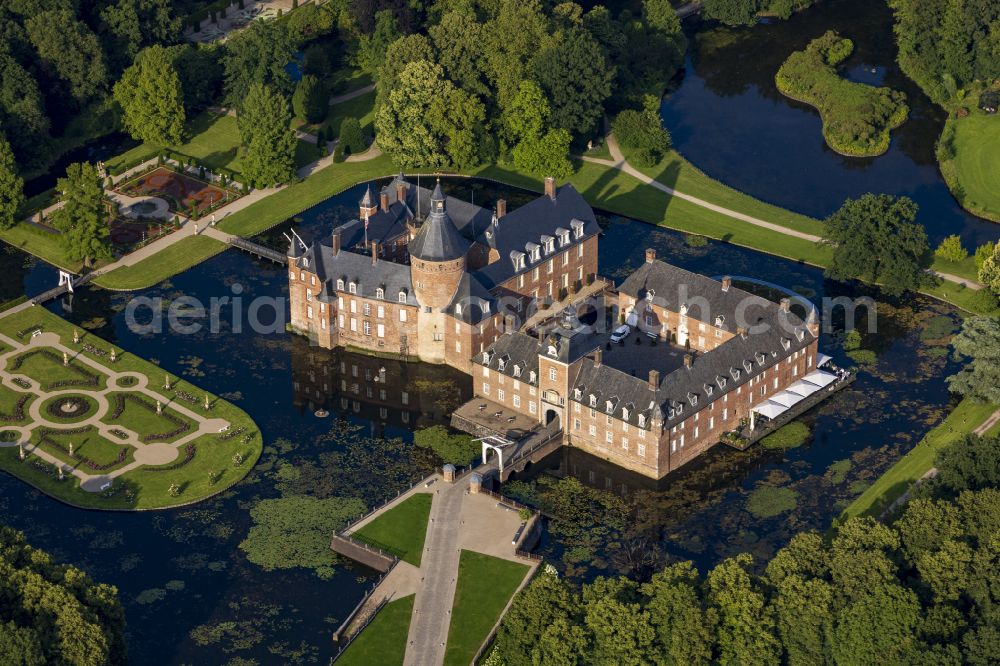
x: 920, y: 588
x: 54, y: 614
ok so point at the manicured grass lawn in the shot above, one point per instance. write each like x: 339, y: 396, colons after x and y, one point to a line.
x: 485, y: 585
x: 9, y: 399
x: 346, y: 79
x: 383, y: 642
x: 42, y: 244
x: 214, y: 141
x: 49, y: 370
x: 401, y: 530
x: 145, y: 422
x: 977, y: 163
x: 211, y: 470
x: 88, y: 444
x: 900, y: 477
x: 362, y: 108
x: 179, y: 257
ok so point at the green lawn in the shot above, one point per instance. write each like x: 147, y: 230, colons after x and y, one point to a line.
x: 898, y: 478
x: 975, y: 171
x: 45, y: 365
x: 346, y: 79
x: 485, y: 585
x: 383, y: 642
x: 179, y: 257
x: 88, y: 444
x: 9, y: 399
x: 211, y: 470
x: 400, y: 530
x: 143, y: 420
x: 362, y: 108
x: 43, y: 244
x: 214, y: 142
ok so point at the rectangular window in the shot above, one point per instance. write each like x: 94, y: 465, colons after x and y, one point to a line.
x: 486, y: 371
x: 309, y: 311
x: 534, y: 274
x: 438, y: 336
x: 565, y: 258
x: 381, y: 312
x: 565, y: 280
x: 552, y: 374
x: 402, y: 314
x: 531, y: 407
x: 625, y: 443
x: 458, y: 346
x: 486, y: 388
x: 340, y: 302
x: 340, y: 321
x: 368, y: 309
x: 367, y: 327
x: 520, y: 280
x: 551, y: 265
x: 354, y: 306
x: 354, y: 325
x: 579, y: 250
x: 517, y: 400
x: 642, y: 450
x: 593, y: 430
x: 610, y: 437
x: 500, y: 395
x: 380, y: 330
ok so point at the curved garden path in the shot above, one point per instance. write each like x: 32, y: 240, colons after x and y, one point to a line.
x: 153, y: 453
x: 619, y: 162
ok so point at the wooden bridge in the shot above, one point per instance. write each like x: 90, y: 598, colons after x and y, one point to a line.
x: 258, y: 250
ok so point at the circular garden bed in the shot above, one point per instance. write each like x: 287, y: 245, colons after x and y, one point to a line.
x: 69, y: 408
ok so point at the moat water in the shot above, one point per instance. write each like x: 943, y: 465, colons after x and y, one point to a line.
x: 728, y: 118
x: 190, y: 594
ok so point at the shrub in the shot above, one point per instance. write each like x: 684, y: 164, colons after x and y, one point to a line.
x: 694, y: 240
x: 457, y: 449
x: 310, y: 99
x: 351, y: 138
x: 983, y: 301
x: 951, y: 249
x: 642, y: 133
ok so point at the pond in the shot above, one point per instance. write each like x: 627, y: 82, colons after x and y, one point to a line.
x: 727, y: 117
x: 190, y: 594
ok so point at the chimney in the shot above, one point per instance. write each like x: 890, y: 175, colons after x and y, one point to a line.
x: 508, y: 323
x: 400, y: 191
x: 501, y: 208
x: 598, y: 356
x: 383, y: 201
x: 727, y: 282
x: 374, y: 253
x: 654, y: 380
x: 550, y: 187
x: 785, y: 304
x: 336, y: 242
x: 688, y: 360
x: 650, y: 255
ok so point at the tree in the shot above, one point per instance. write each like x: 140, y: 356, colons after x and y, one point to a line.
x: 429, y: 122
x: 310, y: 100
x: 746, y: 623
x: 951, y: 249
x: 989, y: 272
x: 132, y: 25
x: 264, y: 122
x: 876, y: 239
x: 258, y: 54
x: 547, y: 155
x: 876, y: 627
x: 457, y: 449
x: 458, y: 40
x: 732, y: 12
x: 22, y: 112
x: 54, y: 613
x: 546, y: 600
x: 151, y: 98
x: 510, y: 39
x: 642, y: 132
x: 979, y: 341
x: 371, y: 48
x: 11, y: 186
x: 576, y: 79
x: 293, y: 532
x: 970, y: 464
x: 684, y: 627
x: 535, y: 149
x: 83, y: 218
x: 562, y: 644
x: 70, y: 52
x: 983, y: 252
x: 201, y: 74
x: 400, y: 53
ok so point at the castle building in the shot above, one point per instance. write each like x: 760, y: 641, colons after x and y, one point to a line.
x: 423, y: 275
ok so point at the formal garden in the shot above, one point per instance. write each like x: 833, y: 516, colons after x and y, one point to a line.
x: 857, y: 118
x: 185, y: 194
x: 97, y: 427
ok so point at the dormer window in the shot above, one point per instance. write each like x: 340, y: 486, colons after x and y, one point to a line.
x: 577, y: 228
x: 501, y: 364
x: 486, y: 358
x: 576, y: 393
x: 609, y: 406
x: 625, y: 414
x: 693, y: 398
x: 593, y: 400
x: 720, y: 321
x: 642, y: 421
x: 709, y: 389
x: 801, y: 334
x: 684, y: 310
x: 380, y: 293
x: 721, y: 381
x: 550, y: 244
x: 402, y: 296
x: 517, y: 370
x: 458, y: 309
x: 760, y: 358
x: 353, y: 287
x: 735, y: 373
x: 650, y: 295
x: 786, y: 343
x: 748, y: 366
x: 531, y: 377
x: 340, y: 285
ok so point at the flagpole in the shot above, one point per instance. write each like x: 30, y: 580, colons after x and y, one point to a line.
x: 366, y: 228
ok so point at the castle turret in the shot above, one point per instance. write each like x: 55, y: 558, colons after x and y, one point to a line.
x: 437, y: 256
x: 367, y: 207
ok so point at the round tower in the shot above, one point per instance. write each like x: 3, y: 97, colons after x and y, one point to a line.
x: 437, y: 256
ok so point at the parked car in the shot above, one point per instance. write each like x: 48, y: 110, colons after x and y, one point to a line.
x: 620, y: 333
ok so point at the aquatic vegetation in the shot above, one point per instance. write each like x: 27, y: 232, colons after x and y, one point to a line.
x: 151, y: 595
x: 863, y: 357
x: 837, y: 472
x: 937, y: 327
x: 768, y: 501
x: 787, y: 437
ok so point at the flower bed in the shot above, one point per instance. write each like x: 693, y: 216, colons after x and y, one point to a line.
x: 45, y: 437
x: 18, y: 413
x: 87, y: 378
x: 182, y: 426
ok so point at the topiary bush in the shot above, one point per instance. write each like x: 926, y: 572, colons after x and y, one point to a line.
x: 352, y: 139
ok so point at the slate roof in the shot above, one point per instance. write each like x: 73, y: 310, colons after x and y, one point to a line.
x: 358, y: 268
x: 514, y: 351
x: 705, y: 298
x: 438, y: 238
x: 472, y: 302
x: 527, y: 224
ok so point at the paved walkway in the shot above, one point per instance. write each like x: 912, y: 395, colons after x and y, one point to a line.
x: 151, y: 453
x: 348, y: 96
x: 619, y: 162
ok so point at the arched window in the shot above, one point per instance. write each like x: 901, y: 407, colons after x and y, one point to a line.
x: 340, y: 285
x: 380, y: 293
x: 353, y: 287
x: 402, y: 296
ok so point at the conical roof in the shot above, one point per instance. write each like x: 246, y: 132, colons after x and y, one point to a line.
x: 438, y: 238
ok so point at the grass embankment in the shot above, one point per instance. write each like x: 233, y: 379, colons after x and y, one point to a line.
x: 214, y: 143
x: 970, y: 163
x: 856, y: 117
x: 166, y: 263
x: 210, y: 471
x: 485, y: 585
x: 43, y: 244
x: 383, y: 641
x: 965, y: 418
x: 400, y: 530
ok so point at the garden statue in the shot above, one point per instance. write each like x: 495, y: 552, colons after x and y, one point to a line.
x: 59, y: 467
x: 76, y: 337
x: 207, y: 404
x: 159, y: 408
x: 114, y: 355
x: 71, y: 449
x: 65, y: 358
x: 166, y: 382
x: 20, y: 451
